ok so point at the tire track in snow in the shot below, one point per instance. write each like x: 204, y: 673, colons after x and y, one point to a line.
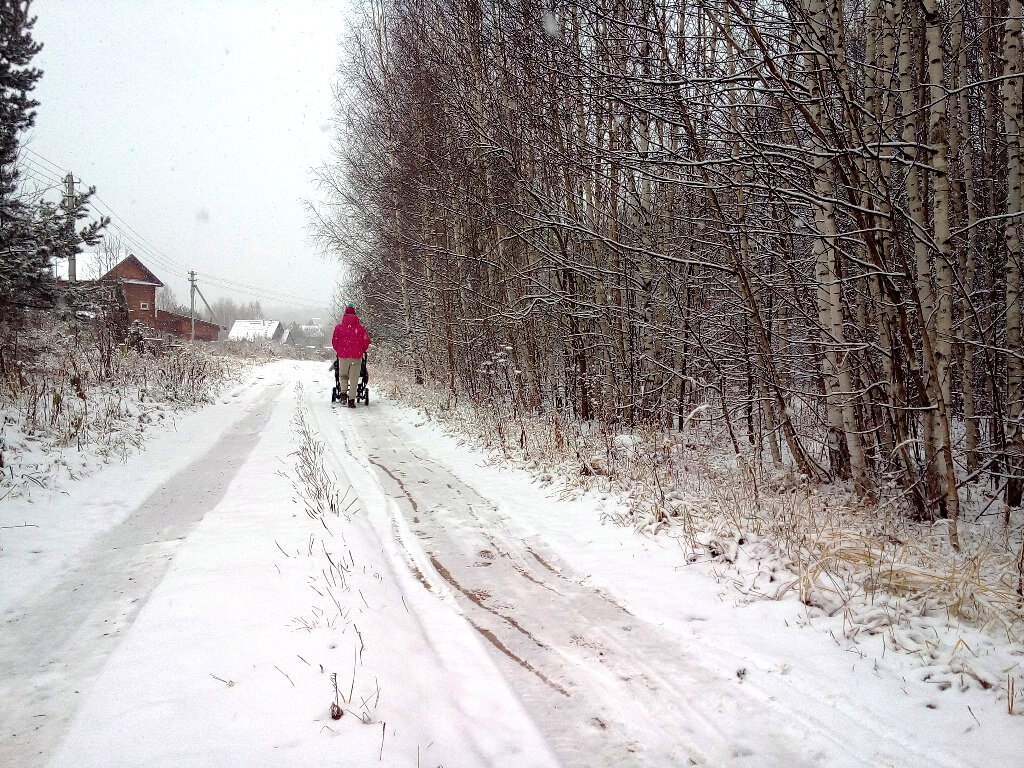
x: 590, y: 718
x: 600, y: 674
x: 405, y: 491
x: 638, y: 695
x: 52, y: 649
x: 475, y: 598
x: 810, y: 698
x: 340, y: 439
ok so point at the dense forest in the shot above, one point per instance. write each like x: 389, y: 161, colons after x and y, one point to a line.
x: 802, y: 217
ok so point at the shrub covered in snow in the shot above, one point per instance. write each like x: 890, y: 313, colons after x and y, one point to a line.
x: 73, y: 391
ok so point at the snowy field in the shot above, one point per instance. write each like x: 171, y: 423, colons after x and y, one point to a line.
x: 206, y: 602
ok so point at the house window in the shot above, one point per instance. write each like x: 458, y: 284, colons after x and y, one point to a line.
x: 143, y: 305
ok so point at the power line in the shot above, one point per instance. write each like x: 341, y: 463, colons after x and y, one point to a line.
x: 40, y: 171
x: 144, y: 250
x: 52, y: 164
x: 125, y: 235
x: 135, y: 238
x: 141, y: 250
x: 236, y: 284
x: 261, y: 293
x: 113, y: 215
x: 131, y: 236
x: 221, y: 282
x: 48, y: 183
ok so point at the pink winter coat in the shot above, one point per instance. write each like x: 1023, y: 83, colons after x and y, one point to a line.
x: 350, y: 338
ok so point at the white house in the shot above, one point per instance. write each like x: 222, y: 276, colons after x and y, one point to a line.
x: 256, y: 330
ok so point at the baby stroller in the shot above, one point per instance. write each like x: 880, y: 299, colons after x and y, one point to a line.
x: 362, y: 388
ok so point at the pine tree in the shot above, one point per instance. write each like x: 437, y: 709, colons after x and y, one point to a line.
x: 31, y: 236
x: 17, y: 80
x: 21, y: 265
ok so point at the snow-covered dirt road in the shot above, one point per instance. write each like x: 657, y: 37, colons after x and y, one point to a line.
x: 467, y: 616
x: 55, y: 644
x: 606, y: 686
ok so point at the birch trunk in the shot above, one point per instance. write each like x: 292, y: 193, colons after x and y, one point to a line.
x: 967, y: 213
x: 943, y: 335
x: 1013, y: 120
x: 840, y: 395
x: 916, y: 190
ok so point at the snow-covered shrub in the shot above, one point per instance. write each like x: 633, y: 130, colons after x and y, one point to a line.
x: 71, y: 388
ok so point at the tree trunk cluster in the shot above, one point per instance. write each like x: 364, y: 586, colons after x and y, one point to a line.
x: 804, y: 217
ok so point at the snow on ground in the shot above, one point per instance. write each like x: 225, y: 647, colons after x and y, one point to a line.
x: 45, y: 524
x: 229, y: 660
x: 190, y: 607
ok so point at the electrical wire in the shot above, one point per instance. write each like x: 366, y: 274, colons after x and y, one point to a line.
x: 141, y: 250
x: 251, y: 289
x: 47, y: 183
x: 60, y: 171
x: 38, y: 172
x: 152, y: 248
x: 221, y: 282
x: 138, y: 242
x: 131, y: 237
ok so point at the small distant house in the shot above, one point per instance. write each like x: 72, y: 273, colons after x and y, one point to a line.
x: 309, y: 335
x: 314, y: 334
x: 139, y: 286
x: 256, y: 330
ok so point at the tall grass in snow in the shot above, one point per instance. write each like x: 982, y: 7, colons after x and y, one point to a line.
x: 73, y: 390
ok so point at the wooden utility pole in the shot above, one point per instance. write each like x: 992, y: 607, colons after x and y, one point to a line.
x: 69, y: 207
x: 193, y: 290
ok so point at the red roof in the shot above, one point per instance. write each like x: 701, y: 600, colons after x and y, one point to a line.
x: 132, y: 270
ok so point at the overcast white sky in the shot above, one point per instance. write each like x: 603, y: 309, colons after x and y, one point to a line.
x: 198, y: 121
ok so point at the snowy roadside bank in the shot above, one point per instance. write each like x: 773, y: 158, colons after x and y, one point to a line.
x: 79, y: 402
x: 45, y: 525
x: 748, y: 606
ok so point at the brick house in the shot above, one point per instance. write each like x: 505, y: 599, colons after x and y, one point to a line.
x: 181, y: 326
x: 139, y: 286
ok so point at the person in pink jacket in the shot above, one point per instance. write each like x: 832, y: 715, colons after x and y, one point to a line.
x: 350, y: 342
